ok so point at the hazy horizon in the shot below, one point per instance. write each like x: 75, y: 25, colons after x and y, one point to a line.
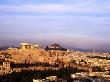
x: 74, y: 23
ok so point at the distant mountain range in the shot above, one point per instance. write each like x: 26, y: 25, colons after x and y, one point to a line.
x: 71, y: 48
x: 89, y: 50
x: 6, y: 47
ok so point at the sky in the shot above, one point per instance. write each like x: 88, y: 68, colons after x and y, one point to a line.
x: 74, y: 23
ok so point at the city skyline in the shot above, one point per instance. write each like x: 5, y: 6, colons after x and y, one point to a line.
x: 81, y: 23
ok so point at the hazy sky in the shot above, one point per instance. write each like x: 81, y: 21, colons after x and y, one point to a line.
x: 79, y: 23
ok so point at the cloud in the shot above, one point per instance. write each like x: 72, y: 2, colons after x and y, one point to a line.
x: 52, y: 8
x: 82, y: 25
x: 77, y: 31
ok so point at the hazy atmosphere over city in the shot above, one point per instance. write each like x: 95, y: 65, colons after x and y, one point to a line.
x: 54, y: 41
x: 73, y: 23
